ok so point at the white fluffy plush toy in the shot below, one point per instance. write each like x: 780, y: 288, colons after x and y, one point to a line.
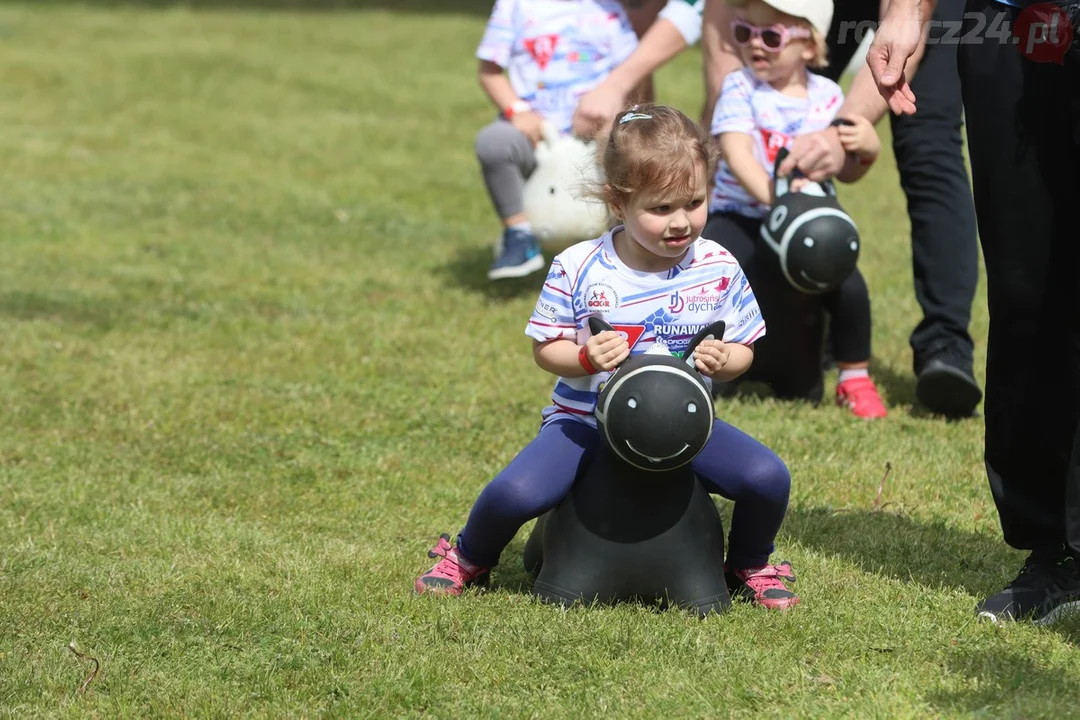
x: 555, y: 201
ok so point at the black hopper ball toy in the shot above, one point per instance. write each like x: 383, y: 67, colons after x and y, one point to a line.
x: 637, y: 524
x: 816, y: 242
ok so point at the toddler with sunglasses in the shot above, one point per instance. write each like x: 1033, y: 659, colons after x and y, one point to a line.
x: 761, y: 109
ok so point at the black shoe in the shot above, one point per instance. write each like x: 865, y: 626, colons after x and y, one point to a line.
x: 1047, y: 588
x: 947, y: 390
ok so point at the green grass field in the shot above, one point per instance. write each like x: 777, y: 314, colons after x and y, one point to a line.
x: 250, y: 368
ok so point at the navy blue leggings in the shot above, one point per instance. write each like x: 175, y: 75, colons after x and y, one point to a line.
x: 732, y: 465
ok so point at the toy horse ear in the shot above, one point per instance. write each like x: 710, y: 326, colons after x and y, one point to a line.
x: 598, y: 325
x: 712, y: 332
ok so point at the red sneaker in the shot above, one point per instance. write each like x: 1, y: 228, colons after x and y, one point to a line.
x: 764, y: 585
x: 453, y: 573
x: 861, y: 396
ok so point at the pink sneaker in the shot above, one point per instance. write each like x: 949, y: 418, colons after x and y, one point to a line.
x: 860, y: 395
x: 453, y: 573
x: 764, y: 585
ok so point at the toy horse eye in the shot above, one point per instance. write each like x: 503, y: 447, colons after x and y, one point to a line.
x: 691, y: 408
x: 631, y: 403
x: 551, y: 190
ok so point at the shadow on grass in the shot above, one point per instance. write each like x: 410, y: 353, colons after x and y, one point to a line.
x: 900, y: 390
x: 512, y: 577
x: 1001, y: 683
x: 468, y: 271
x: 78, y: 310
x: 479, y: 8
x: 889, y: 544
x: 899, y: 387
x: 892, y: 544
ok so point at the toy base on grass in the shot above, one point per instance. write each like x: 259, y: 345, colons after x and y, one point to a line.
x: 630, y: 535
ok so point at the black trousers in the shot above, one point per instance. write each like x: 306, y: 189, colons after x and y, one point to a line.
x: 1023, y: 122
x: 928, y: 149
x: 788, y: 358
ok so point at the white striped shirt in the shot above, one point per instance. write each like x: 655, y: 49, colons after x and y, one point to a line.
x: 555, y: 51
x: 666, y: 308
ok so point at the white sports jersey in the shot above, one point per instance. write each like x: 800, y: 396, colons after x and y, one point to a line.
x: 557, y: 50
x: 752, y: 106
x: 652, y: 309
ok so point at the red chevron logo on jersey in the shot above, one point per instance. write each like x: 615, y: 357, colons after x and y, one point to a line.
x: 773, y: 141
x: 633, y: 333
x: 542, y: 48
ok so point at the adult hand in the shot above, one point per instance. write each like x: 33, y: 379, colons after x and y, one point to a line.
x: 531, y: 124
x: 896, y: 40
x: 607, y: 350
x: 819, y: 156
x: 597, y: 109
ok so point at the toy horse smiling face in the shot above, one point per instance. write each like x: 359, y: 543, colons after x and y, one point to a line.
x: 656, y: 412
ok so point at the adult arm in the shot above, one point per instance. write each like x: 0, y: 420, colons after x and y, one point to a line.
x: 677, y: 27
x: 718, y: 50
x: 820, y: 155
x: 900, y: 36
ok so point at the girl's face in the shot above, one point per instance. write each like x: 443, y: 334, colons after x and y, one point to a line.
x: 661, y: 226
x: 767, y: 63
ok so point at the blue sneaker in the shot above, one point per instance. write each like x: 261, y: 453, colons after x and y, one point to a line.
x: 520, y: 256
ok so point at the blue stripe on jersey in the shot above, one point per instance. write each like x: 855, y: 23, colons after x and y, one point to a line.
x: 579, y: 396
x: 556, y: 298
x: 584, y: 269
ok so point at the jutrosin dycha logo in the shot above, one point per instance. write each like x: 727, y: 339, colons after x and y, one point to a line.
x: 1043, y: 32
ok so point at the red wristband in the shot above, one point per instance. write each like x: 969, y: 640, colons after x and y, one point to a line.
x: 586, y: 364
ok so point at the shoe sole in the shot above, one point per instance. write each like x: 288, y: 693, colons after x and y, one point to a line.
x: 1068, y: 608
x: 528, y: 267
x: 947, y: 391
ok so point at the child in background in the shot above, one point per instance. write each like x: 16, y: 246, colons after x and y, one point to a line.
x: 554, y: 51
x: 761, y: 108
x: 657, y: 163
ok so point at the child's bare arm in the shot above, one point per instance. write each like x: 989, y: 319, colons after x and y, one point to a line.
x: 496, y: 85
x: 738, y: 150
x: 562, y: 357
x: 498, y: 88
x: 723, y: 361
x: 862, y: 144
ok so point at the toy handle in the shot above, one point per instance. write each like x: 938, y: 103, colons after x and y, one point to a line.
x: 598, y: 325
x: 712, y: 332
x: 782, y: 183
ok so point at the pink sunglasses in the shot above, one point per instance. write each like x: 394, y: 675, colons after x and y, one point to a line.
x: 774, y: 38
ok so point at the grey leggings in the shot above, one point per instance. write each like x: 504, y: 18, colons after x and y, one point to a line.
x: 507, y: 160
